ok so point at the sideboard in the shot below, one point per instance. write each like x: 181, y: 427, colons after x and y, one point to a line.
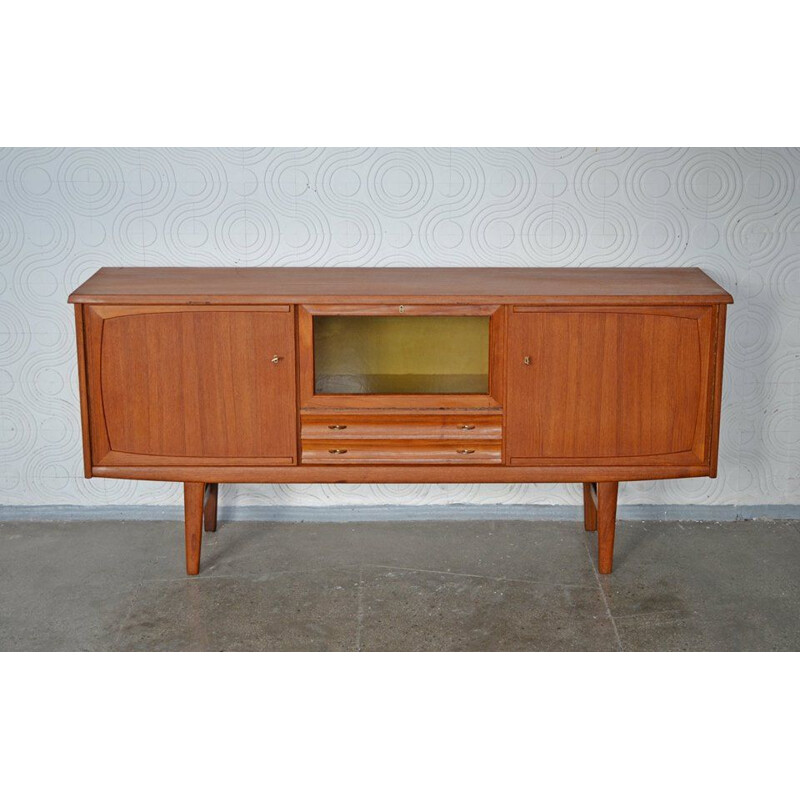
x: 356, y: 375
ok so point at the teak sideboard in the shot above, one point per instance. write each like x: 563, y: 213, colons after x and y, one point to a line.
x: 309, y: 375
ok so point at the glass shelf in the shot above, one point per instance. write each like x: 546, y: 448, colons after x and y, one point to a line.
x: 401, y: 355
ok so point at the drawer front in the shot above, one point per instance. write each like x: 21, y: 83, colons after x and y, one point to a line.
x: 401, y: 426
x: 363, y: 451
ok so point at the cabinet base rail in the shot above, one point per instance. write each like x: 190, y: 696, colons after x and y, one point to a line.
x: 599, y: 514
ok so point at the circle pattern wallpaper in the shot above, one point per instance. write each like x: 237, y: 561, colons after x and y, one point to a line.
x: 66, y: 212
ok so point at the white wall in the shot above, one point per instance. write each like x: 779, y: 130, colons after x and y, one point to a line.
x: 65, y: 213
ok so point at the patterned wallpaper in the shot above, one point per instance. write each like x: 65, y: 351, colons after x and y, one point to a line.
x: 734, y: 213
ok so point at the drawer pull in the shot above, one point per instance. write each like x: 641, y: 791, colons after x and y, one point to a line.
x: 466, y: 427
x: 465, y: 452
x: 337, y: 427
x: 275, y: 359
x: 337, y: 452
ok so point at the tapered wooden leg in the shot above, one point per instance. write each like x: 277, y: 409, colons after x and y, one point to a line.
x: 589, y: 508
x: 606, y: 523
x: 193, y: 521
x: 210, y: 507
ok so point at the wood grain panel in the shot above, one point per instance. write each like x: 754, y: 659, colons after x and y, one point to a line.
x: 295, y: 285
x: 194, y: 384
x: 609, y: 384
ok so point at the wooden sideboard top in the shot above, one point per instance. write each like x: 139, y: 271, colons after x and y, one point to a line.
x: 530, y: 285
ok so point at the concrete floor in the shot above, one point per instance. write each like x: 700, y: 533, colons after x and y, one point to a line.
x: 483, y: 585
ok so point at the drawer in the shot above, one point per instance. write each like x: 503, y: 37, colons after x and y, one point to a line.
x: 401, y: 426
x: 361, y: 451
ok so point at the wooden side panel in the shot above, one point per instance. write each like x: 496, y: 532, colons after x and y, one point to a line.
x: 83, y: 390
x: 716, y: 406
x: 618, y: 385
x: 182, y: 385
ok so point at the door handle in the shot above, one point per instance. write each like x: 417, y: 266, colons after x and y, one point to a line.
x: 275, y: 359
x: 526, y: 361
